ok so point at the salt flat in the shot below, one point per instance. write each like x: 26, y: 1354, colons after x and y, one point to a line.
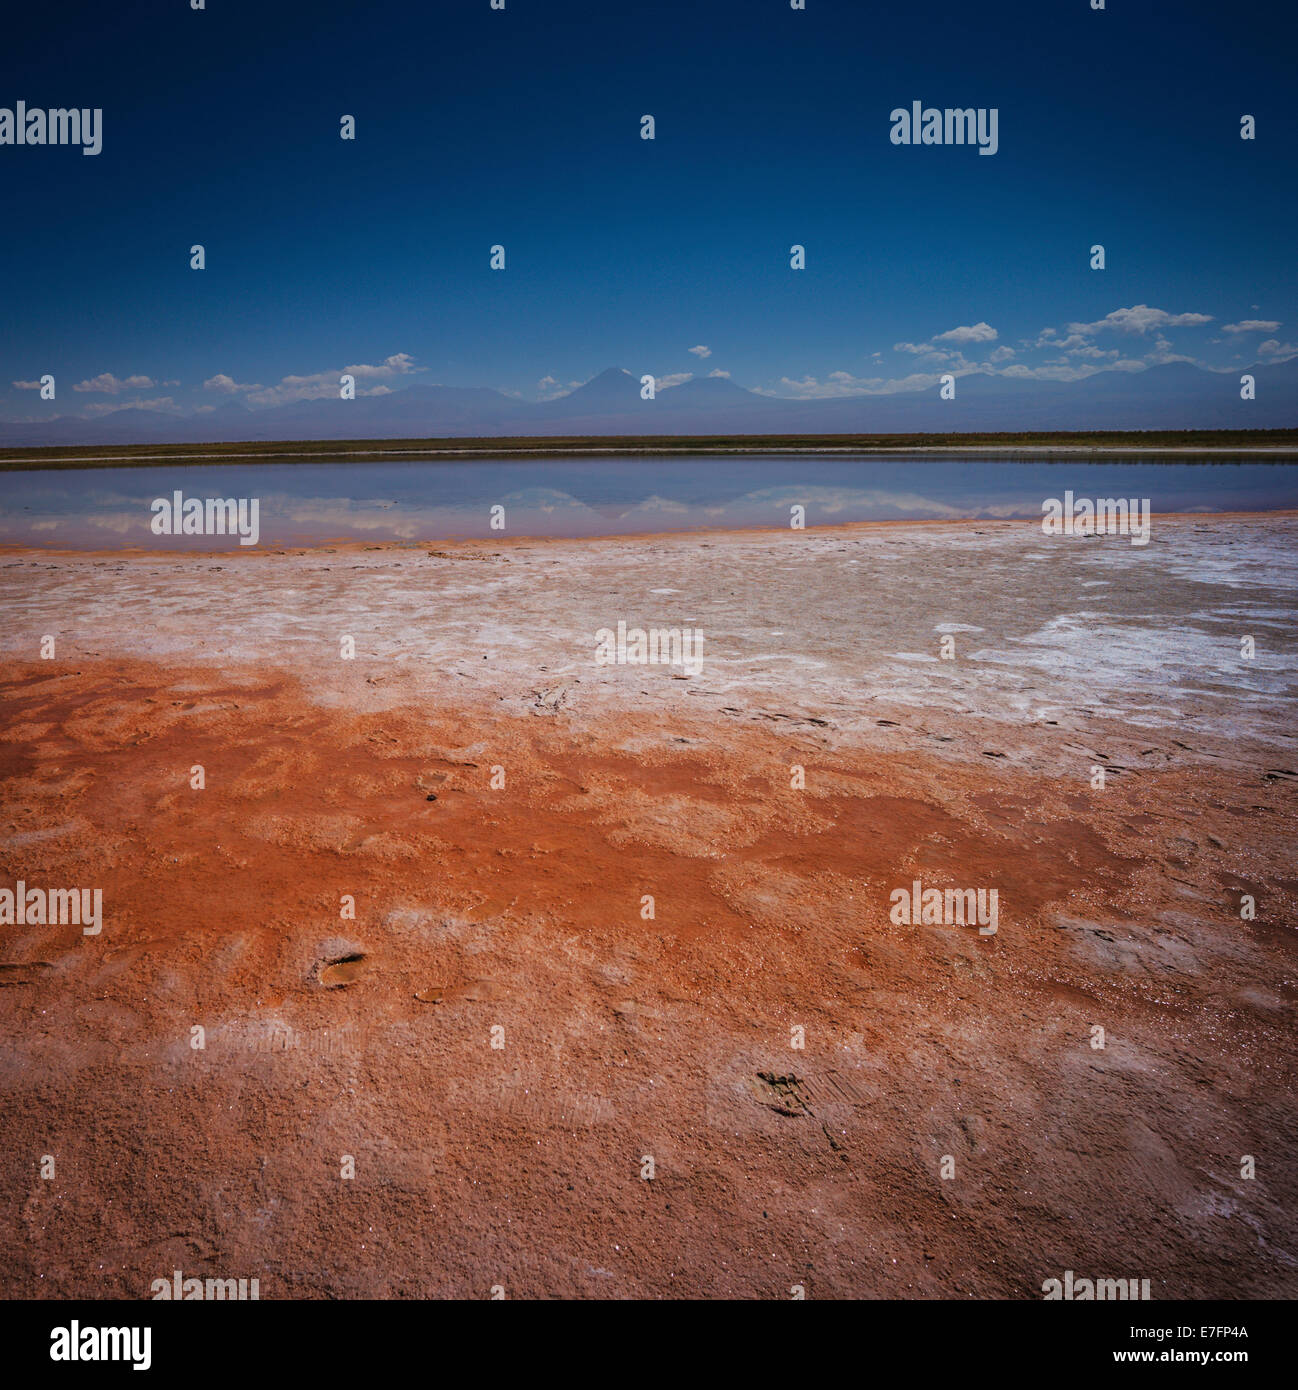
x: 497, y: 806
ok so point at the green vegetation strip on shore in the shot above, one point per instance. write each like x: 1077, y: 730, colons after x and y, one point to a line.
x: 512, y: 446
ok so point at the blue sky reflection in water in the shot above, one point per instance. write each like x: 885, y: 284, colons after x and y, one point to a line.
x: 307, y: 504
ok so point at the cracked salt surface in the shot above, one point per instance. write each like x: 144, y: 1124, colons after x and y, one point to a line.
x: 1161, y: 647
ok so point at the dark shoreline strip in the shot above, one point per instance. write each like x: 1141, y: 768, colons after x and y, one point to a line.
x: 1277, y: 446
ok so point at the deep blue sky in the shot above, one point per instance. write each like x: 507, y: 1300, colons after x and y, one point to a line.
x: 522, y: 127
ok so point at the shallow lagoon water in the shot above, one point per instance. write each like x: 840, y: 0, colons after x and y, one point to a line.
x: 421, y: 501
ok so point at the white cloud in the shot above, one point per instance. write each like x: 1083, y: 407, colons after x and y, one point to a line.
x: 1274, y: 348
x: 399, y: 364
x: 318, y: 385
x: 550, y: 386
x: 162, y: 403
x: 110, y: 385
x: 1094, y: 354
x: 953, y: 358
x: 1059, y: 370
x: 938, y: 357
x: 1048, y: 338
x: 701, y: 351
x: 1251, y: 326
x: 1138, y: 319
x: 27, y: 385
x: 716, y: 371
x: 977, y: 333
x: 845, y: 384
x: 663, y: 383
x: 221, y: 382
x: 1162, y: 352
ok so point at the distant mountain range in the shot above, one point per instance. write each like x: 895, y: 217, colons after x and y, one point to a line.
x: 1174, y: 396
